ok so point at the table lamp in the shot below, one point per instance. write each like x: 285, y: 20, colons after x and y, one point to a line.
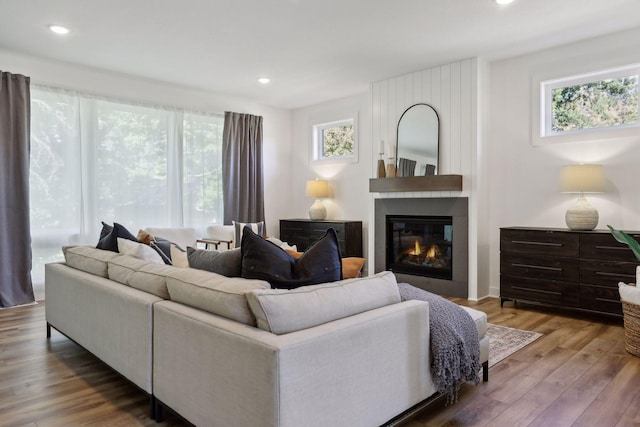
x: 318, y: 189
x: 582, y: 179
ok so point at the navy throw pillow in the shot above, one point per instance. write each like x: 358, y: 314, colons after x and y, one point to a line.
x: 110, y: 241
x: 263, y: 260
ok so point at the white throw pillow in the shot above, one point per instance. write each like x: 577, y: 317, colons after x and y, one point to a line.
x: 629, y: 293
x: 138, y: 250
x: 178, y: 258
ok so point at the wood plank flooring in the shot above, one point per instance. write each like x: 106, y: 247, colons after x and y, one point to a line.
x: 577, y: 374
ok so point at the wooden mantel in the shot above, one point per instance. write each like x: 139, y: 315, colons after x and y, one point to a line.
x: 416, y: 183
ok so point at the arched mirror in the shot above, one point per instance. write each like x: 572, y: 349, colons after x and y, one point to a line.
x: 418, y: 141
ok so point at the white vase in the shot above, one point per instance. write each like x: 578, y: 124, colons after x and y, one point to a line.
x: 637, y: 275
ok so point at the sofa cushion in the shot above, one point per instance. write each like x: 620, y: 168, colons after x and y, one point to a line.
x: 213, y: 292
x: 152, y: 278
x: 122, y: 267
x: 238, y: 227
x: 110, y: 241
x: 228, y: 263
x: 89, y: 259
x: 282, y: 311
x: 263, y: 260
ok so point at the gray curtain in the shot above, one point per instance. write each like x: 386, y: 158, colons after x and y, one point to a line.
x: 242, y: 176
x: 15, y: 235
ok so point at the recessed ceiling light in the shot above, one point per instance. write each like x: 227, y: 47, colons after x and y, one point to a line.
x: 59, y: 29
x: 504, y: 1
x: 264, y: 80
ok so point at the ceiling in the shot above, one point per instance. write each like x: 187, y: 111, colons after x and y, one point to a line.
x: 313, y: 50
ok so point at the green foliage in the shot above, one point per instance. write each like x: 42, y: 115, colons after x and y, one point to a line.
x: 598, y: 104
x: 337, y: 141
x: 623, y: 237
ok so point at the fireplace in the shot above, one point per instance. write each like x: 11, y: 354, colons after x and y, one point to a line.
x: 420, y: 245
x: 439, y: 261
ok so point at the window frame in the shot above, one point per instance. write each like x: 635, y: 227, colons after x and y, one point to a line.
x: 543, y: 88
x: 316, y: 145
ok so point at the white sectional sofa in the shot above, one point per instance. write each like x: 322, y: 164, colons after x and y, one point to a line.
x: 231, y: 352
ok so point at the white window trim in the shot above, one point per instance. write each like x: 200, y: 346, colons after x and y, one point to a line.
x: 316, y: 149
x: 541, y: 121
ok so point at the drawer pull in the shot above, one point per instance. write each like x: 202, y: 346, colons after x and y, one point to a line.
x: 520, y: 288
x: 617, y: 301
x: 525, y: 242
x: 603, y: 273
x: 612, y: 248
x: 538, y: 267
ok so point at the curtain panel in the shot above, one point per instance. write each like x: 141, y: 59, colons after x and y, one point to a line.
x: 95, y: 159
x: 15, y: 237
x: 242, y: 174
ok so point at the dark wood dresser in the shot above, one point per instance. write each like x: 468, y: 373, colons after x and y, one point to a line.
x: 579, y: 270
x: 304, y: 232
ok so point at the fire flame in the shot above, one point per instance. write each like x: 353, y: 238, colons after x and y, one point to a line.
x: 433, y: 252
x: 416, y: 250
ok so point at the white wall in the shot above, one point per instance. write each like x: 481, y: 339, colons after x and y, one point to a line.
x: 454, y: 90
x: 523, y: 179
x: 349, y: 181
x: 276, y: 122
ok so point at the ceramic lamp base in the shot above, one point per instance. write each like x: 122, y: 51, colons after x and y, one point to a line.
x: 582, y: 215
x: 317, y: 211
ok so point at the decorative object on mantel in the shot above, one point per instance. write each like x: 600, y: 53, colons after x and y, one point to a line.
x: 416, y: 183
x: 381, y: 171
x: 406, y: 167
x: 582, y: 179
x: 630, y: 297
x: 318, y: 189
x: 391, y: 164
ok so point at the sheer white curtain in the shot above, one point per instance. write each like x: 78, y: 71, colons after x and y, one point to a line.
x: 99, y: 160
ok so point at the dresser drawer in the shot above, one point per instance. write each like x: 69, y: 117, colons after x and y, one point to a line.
x: 607, y: 273
x: 599, y: 298
x: 293, y: 228
x: 543, y: 242
x: 554, y: 292
x: 542, y: 267
x: 602, y: 246
x: 304, y: 233
x: 317, y: 230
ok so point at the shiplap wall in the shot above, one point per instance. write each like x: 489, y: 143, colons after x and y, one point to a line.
x: 452, y: 89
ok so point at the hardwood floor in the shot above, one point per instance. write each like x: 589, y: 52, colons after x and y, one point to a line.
x: 577, y: 374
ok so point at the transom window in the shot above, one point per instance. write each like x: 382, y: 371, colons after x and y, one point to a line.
x: 335, y: 141
x: 590, y: 102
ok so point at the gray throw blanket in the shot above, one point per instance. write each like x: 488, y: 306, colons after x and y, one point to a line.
x: 455, y: 348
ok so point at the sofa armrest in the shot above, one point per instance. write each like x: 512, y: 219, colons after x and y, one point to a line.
x: 359, y: 370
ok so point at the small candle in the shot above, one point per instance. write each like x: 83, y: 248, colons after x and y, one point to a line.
x: 381, y: 147
x: 392, y: 150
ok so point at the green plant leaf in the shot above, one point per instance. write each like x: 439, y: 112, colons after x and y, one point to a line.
x: 623, y: 237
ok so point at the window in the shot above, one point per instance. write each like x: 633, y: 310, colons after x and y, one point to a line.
x: 98, y: 160
x: 587, y: 103
x: 335, y: 141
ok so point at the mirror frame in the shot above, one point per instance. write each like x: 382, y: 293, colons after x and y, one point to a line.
x: 437, y: 134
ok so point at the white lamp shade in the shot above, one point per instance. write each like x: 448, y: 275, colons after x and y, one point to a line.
x: 317, y: 188
x: 582, y: 179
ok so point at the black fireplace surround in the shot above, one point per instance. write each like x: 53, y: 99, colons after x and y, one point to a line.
x: 424, y: 241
